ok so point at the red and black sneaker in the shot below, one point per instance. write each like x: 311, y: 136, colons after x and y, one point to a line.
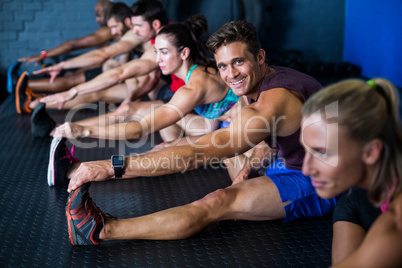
x: 85, y: 220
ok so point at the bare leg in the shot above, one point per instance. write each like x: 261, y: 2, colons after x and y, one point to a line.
x: 171, y: 133
x: 196, y: 125
x: 177, y: 142
x: 59, y: 84
x: 192, y: 125
x: 114, y: 94
x: 257, y: 199
x: 347, y: 238
x: 131, y: 111
x: 119, y: 93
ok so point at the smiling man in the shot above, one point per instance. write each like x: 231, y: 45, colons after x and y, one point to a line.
x: 276, y: 96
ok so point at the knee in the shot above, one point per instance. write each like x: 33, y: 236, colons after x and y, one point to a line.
x: 197, y: 126
x: 228, y: 162
x: 122, y: 110
x: 68, y: 74
x: 77, y: 78
x: 219, y: 200
x: 141, y: 109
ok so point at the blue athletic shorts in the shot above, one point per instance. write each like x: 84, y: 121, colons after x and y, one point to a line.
x: 296, y: 187
x: 224, y: 124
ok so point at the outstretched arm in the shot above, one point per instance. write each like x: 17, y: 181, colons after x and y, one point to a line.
x: 249, y: 127
x: 182, y: 103
x: 128, y: 42
x: 97, y: 38
x: 210, y: 148
x: 134, y: 68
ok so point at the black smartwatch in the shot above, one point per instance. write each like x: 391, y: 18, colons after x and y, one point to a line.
x: 118, y: 165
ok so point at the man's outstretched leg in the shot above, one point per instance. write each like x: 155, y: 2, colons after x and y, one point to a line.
x: 256, y: 199
x: 83, y: 216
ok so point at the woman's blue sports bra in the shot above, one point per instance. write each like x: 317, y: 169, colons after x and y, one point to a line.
x: 214, y: 110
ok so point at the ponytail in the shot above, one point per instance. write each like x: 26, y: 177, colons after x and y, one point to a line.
x: 368, y: 111
x: 187, y: 34
x: 386, y: 179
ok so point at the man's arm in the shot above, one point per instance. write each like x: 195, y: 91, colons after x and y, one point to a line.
x: 134, y: 68
x: 99, y: 37
x: 248, y: 128
x: 115, y: 62
x: 208, y: 149
x: 277, y: 111
x: 127, y: 43
x: 182, y: 103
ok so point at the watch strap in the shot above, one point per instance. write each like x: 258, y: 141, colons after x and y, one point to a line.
x: 118, y: 172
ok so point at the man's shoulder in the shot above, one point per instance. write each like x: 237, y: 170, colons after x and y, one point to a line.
x: 286, y: 73
x: 289, y: 78
x: 130, y: 36
x: 103, y: 29
x: 103, y: 35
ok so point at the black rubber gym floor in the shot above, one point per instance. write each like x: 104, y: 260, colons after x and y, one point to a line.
x: 33, y: 227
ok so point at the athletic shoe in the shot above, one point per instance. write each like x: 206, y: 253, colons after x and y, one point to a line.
x: 84, y: 219
x: 60, y: 162
x: 13, y: 73
x: 21, y: 98
x: 24, y: 95
x: 41, y: 123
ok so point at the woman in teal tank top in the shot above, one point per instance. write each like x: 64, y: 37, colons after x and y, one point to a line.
x: 196, y: 108
x: 204, y: 92
x: 214, y: 110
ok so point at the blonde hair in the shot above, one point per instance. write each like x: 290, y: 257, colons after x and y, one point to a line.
x: 368, y: 111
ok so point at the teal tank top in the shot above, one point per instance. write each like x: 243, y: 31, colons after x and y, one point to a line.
x: 214, y: 110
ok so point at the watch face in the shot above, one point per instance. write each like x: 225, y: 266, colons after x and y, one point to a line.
x: 118, y: 160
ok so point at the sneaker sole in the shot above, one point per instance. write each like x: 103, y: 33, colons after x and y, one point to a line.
x: 10, y: 78
x: 70, y: 222
x: 17, y: 93
x: 50, y: 167
x: 39, y: 119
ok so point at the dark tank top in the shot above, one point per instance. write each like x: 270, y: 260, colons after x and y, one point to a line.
x: 289, y: 147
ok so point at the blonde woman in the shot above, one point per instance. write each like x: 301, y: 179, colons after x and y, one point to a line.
x: 352, y: 137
